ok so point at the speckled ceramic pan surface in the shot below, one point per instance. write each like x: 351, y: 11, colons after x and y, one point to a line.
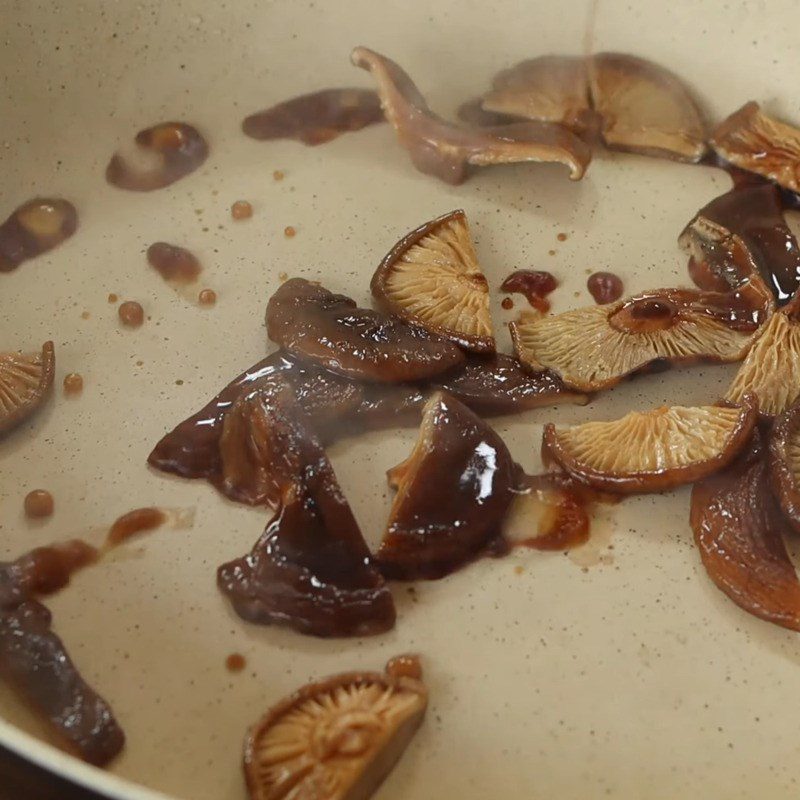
x: 619, y: 670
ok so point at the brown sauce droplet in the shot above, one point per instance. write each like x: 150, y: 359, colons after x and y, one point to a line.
x: 241, y: 209
x: 165, y: 153
x: 85, y: 315
x: 208, y: 297
x: 278, y: 175
x: 73, y: 383
x: 551, y: 252
x: 135, y: 522
x: 316, y: 118
x: 405, y: 666
x: 39, y: 504
x: 289, y: 231
x: 131, y: 314
x: 535, y: 285
x: 175, y: 264
x: 604, y: 287
x: 235, y: 662
x: 112, y: 298
x: 562, y: 237
x: 34, y: 228
x: 507, y: 303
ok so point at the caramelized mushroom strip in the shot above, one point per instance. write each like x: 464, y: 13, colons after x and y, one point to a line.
x: 655, y: 450
x: 452, y: 494
x: 739, y: 531
x: 311, y: 569
x: 594, y: 348
x: 343, y: 733
x: 784, y: 463
x: 644, y: 108
x: 752, y: 141
x: 329, y: 331
x: 447, y: 151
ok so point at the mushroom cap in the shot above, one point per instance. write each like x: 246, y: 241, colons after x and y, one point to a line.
x: 549, y: 88
x: 329, y: 330
x: 784, y: 463
x: 751, y: 140
x: 595, y: 347
x: 432, y: 278
x: 645, y: 108
x: 452, y: 494
x: 445, y: 150
x: 26, y: 379
x: 653, y: 450
x: 771, y: 369
x: 335, y: 739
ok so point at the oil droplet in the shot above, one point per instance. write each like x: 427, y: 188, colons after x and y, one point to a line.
x: 507, y: 303
x: 131, y: 314
x: 39, y: 504
x: 562, y: 237
x: 85, y: 315
x: 207, y: 297
x: 73, y: 383
x: 241, y: 209
x: 278, y: 175
x: 235, y: 662
x: 112, y: 298
x: 289, y: 231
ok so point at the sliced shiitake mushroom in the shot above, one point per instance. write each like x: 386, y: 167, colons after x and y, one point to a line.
x: 311, y: 569
x: 447, y: 151
x: 338, y: 738
x: 432, y: 278
x: 329, y: 330
x: 26, y: 379
x: 771, y: 369
x: 784, y: 463
x: 751, y: 140
x: 654, y: 450
x: 740, y: 531
x: 160, y: 156
x: 749, y: 217
x: 596, y: 347
x: 452, y: 494
x: 645, y: 108
x: 549, y: 88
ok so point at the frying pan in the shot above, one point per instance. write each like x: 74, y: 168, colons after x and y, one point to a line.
x: 616, y: 671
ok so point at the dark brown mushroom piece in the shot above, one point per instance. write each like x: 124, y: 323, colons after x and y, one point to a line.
x: 192, y: 449
x: 329, y: 330
x: 447, y: 151
x: 316, y: 118
x: 784, y: 463
x: 311, y: 570
x: 549, y: 88
x: 754, y: 215
x: 452, y: 494
x: 35, y: 662
x: 35, y: 228
x: 26, y: 380
x: 752, y: 141
x: 645, y: 108
x: 739, y: 530
x: 160, y: 156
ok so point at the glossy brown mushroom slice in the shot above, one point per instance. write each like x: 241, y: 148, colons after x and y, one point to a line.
x: 160, y: 156
x: 750, y: 217
x: 654, y: 450
x: 739, y: 530
x: 549, y: 88
x: 311, y: 569
x: 26, y: 380
x: 784, y: 463
x: 771, y: 369
x: 328, y: 330
x: 452, y: 494
x: 316, y: 118
x: 35, y: 228
x: 338, y: 738
x: 752, y: 141
x: 595, y: 347
x: 447, y: 151
x: 192, y: 448
x: 432, y: 278
x: 645, y: 108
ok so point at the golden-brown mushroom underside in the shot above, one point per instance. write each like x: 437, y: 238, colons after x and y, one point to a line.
x: 25, y: 381
x: 654, y: 450
x: 432, y: 278
x: 334, y: 740
x: 446, y: 150
x: 751, y: 140
x: 784, y: 463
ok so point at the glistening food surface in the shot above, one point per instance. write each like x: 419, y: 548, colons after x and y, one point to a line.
x: 675, y: 649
